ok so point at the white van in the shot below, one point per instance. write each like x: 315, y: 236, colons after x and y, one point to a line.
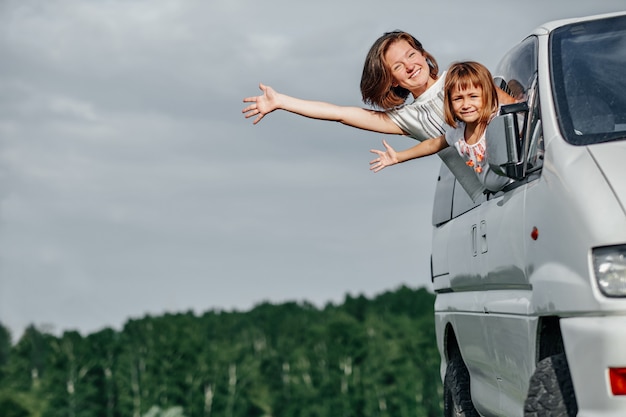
x: 530, y: 281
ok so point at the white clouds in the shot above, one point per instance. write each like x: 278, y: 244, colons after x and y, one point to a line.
x: 126, y: 164
x: 117, y: 54
x: 72, y: 108
x: 265, y: 48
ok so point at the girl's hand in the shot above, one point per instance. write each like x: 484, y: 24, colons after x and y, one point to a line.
x: 385, y: 158
x: 262, y: 105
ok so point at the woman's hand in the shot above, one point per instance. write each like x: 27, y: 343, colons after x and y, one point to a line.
x: 385, y: 158
x: 262, y: 105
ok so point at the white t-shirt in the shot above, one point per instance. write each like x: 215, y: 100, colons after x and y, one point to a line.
x: 475, y: 157
x: 424, y: 119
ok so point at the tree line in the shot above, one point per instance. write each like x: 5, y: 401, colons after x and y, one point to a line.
x: 363, y: 358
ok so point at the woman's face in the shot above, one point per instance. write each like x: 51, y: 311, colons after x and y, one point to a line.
x: 408, y: 67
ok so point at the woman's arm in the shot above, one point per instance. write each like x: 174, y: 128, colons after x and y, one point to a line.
x: 270, y: 100
x: 391, y: 157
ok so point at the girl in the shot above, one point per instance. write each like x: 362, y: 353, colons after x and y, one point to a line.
x: 470, y: 102
x: 397, y: 65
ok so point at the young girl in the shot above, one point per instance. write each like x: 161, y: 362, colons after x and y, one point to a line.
x: 397, y: 65
x: 470, y: 102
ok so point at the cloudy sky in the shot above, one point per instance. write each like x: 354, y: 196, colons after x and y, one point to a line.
x: 131, y: 183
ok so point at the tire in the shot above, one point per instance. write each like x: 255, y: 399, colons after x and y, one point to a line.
x: 457, y: 398
x: 551, y: 392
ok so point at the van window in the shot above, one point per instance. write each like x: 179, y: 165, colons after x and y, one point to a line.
x: 517, y: 75
x: 451, y: 200
x: 442, y: 206
x: 517, y: 70
x: 589, y: 88
x: 534, y: 133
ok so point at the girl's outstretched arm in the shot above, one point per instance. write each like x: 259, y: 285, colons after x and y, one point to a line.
x: 385, y: 158
x: 390, y: 157
x: 270, y: 100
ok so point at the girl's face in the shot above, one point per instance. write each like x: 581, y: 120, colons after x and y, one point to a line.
x: 408, y: 67
x: 467, y: 104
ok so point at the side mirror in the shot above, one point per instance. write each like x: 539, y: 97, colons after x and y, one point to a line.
x: 504, y: 143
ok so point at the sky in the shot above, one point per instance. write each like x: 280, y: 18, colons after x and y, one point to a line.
x: 132, y: 184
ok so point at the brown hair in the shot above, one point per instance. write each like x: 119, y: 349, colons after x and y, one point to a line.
x: 463, y: 75
x: 376, y: 80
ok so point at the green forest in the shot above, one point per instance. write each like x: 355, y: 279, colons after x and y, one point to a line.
x: 364, y: 357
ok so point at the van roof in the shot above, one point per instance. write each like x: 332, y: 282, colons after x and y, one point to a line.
x: 554, y: 24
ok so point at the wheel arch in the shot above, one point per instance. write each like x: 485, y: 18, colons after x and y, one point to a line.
x: 451, y: 345
x: 549, y: 338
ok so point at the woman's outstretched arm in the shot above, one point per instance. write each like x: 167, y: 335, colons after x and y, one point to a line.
x: 270, y: 100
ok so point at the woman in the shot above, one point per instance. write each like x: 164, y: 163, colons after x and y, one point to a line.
x: 397, y: 65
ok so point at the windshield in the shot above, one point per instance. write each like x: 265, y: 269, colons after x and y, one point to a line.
x: 589, y: 80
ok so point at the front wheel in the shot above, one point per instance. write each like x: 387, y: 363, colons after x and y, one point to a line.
x: 551, y: 392
x: 457, y: 399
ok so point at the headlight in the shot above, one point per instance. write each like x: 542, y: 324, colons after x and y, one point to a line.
x: 609, y: 265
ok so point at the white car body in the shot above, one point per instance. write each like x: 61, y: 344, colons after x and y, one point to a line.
x: 514, y: 272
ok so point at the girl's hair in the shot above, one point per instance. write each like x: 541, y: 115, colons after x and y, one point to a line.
x: 377, y: 82
x: 464, y: 75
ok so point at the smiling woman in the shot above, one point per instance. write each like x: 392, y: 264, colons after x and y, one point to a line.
x: 397, y: 65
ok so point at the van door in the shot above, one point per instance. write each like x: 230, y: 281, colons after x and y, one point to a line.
x: 506, y: 309
x: 457, y: 278
x: 465, y: 250
x: 510, y: 327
